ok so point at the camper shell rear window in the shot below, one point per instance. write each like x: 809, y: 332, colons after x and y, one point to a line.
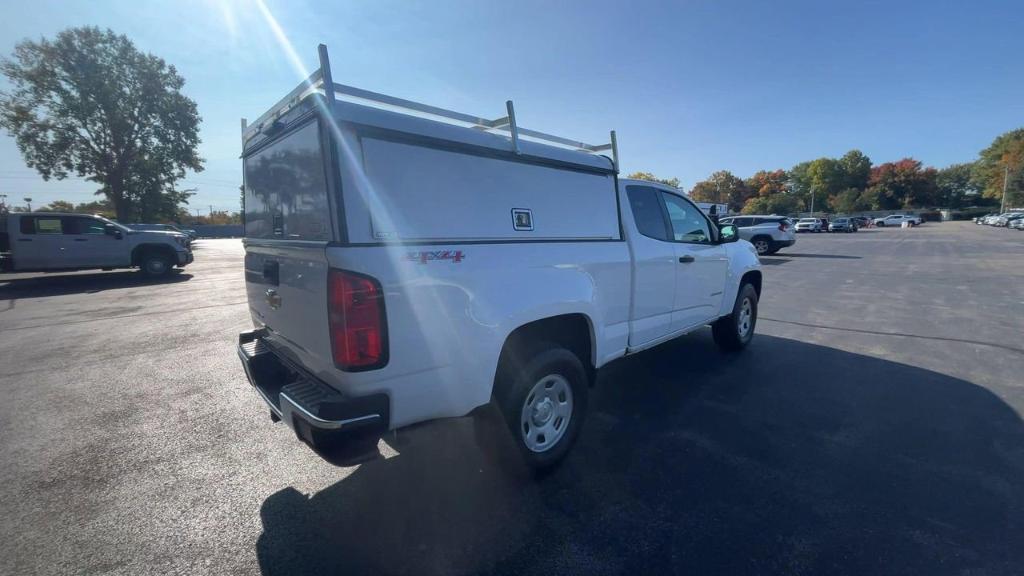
x: 286, y: 195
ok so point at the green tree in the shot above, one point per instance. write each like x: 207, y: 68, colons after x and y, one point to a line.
x: 849, y: 201
x: 673, y: 182
x: 827, y: 178
x: 799, y: 183
x: 954, y: 184
x: 856, y: 169
x: 90, y: 103
x: 1006, y: 153
x: 722, y: 188
x: 58, y: 206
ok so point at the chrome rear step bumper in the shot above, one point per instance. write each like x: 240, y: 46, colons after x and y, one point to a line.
x: 320, y: 415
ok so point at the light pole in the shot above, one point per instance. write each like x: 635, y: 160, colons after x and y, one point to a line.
x: 1006, y: 180
x: 28, y: 202
x: 812, y: 202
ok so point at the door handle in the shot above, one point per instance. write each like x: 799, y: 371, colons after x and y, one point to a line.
x: 685, y: 259
x: 81, y: 239
x: 24, y: 239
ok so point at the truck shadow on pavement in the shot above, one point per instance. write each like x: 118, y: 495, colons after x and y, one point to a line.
x: 787, y: 458
x: 72, y: 283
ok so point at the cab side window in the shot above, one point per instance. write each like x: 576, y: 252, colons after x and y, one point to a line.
x: 41, y: 225
x: 83, y: 226
x: 688, y: 223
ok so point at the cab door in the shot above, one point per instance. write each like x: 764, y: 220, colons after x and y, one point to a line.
x: 654, y: 261
x: 702, y: 264
x: 89, y: 245
x: 40, y: 244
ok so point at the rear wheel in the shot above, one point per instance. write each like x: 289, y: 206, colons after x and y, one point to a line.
x: 762, y: 244
x: 542, y: 394
x: 735, y: 331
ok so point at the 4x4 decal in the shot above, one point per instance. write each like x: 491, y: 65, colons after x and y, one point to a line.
x: 455, y: 256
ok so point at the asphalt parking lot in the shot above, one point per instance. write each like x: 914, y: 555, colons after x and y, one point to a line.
x: 873, y: 427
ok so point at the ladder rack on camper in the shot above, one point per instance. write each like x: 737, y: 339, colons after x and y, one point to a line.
x: 317, y: 81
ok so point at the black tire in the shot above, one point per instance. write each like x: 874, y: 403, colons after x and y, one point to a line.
x: 155, y: 264
x: 726, y: 330
x: 880, y: 224
x: 763, y: 245
x: 551, y: 367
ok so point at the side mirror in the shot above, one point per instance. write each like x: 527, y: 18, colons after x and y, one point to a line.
x: 112, y: 231
x: 728, y: 233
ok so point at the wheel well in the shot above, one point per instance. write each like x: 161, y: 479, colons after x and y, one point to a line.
x: 570, y: 330
x: 140, y: 251
x: 760, y: 236
x: 754, y: 279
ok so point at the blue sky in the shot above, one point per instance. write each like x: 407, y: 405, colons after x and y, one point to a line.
x: 691, y: 87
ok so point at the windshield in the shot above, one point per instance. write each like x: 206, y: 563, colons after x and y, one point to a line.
x: 120, y: 227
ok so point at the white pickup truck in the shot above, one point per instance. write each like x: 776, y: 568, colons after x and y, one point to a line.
x: 405, y: 263
x: 55, y: 242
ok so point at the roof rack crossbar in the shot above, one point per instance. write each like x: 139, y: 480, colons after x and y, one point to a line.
x: 318, y: 79
x: 310, y: 84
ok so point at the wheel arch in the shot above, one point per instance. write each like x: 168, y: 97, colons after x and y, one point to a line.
x: 574, y: 331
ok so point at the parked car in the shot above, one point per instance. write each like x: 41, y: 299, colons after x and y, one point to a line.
x: 861, y: 221
x: 164, y: 228
x: 842, y: 225
x: 1004, y: 219
x: 768, y: 234
x: 52, y: 241
x: 1018, y: 224
x: 808, y: 225
x: 450, y: 267
x: 898, y: 220
x: 824, y: 224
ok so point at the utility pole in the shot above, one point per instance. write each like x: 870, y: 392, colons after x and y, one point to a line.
x: 812, y: 202
x: 28, y: 202
x: 1006, y: 180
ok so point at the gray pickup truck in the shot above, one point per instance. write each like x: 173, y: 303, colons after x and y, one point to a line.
x: 52, y: 241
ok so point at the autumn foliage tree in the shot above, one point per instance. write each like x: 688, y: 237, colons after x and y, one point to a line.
x: 722, y: 188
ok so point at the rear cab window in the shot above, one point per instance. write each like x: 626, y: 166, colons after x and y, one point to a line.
x: 286, y: 194
x: 647, y: 213
x: 41, y: 225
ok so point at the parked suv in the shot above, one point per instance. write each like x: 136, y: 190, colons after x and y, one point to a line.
x: 51, y: 241
x: 401, y: 269
x: 842, y: 225
x: 768, y: 234
x: 808, y: 225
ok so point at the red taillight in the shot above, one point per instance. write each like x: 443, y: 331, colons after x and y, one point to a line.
x: 355, y: 307
x: 783, y: 226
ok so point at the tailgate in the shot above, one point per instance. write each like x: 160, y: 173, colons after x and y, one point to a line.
x: 287, y: 291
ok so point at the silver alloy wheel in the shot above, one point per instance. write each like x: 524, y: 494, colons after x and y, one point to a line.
x: 761, y: 245
x: 546, y: 413
x: 746, y: 320
x: 156, y: 266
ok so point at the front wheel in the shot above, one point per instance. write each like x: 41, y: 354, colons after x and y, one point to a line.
x: 542, y: 394
x: 155, y: 265
x: 735, y: 331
